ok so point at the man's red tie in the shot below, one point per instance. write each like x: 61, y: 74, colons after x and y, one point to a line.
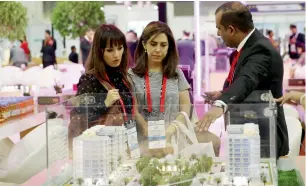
x: 230, y: 77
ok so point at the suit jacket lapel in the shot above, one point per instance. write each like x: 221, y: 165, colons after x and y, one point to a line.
x: 246, y: 50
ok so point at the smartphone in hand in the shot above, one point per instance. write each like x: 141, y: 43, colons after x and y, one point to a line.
x: 207, y: 98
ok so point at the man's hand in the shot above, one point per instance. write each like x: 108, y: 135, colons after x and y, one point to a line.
x: 289, y: 97
x: 212, y: 96
x: 210, y: 116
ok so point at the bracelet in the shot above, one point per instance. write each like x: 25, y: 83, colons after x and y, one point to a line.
x: 301, y: 99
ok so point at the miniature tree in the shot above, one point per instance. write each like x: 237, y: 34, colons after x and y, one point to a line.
x: 94, y: 181
x: 180, y: 167
x: 166, y: 164
x: 264, y: 179
x: 187, y: 167
x: 126, y: 181
x: 142, y: 163
x: 232, y: 180
x: 249, y: 180
x: 112, y: 165
x: 120, y: 160
x: 193, y: 157
x: 147, y: 175
x: 202, y: 181
x: 80, y: 181
x: 218, y: 181
x: 155, y: 162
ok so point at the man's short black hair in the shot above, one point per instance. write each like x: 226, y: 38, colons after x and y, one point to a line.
x: 48, y: 32
x: 237, y: 15
x: 133, y: 32
x: 72, y: 47
x: 292, y: 26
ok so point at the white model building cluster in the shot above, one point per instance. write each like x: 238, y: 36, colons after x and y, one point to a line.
x: 243, y: 152
x: 96, y: 153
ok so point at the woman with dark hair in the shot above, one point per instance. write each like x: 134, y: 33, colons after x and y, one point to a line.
x: 161, y: 89
x: 106, y: 82
x: 48, y: 50
x: 270, y: 34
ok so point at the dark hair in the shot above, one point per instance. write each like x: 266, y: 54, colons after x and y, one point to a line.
x: 170, y: 62
x: 72, y: 47
x: 48, y: 32
x: 133, y: 32
x: 292, y: 26
x: 237, y: 15
x: 269, y: 32
x: 186, y: 33
x: 103, y: 35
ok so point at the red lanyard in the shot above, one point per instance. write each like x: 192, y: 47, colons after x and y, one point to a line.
x: 121, y: 101
x: 233, y: 66
x: 148, y: 93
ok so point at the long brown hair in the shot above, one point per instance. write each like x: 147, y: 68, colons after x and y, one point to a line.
x: 169, y: 64
x: 103, y: 35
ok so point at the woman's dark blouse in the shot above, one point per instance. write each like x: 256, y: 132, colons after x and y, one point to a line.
x: 89, y: 84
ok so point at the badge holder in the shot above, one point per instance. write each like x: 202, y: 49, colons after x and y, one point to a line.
x: 132, y: 139
x: 156, y: 131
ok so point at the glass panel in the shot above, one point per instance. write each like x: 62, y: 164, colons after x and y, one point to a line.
x: 80, y: 149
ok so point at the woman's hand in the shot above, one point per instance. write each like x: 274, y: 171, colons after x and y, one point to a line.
x: 112, y: 97
x: 291, y: 96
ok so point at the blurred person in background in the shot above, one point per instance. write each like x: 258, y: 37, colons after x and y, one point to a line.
x: 18, y: 57
x: 25, y: 46
x: 132, y: 41
x: 270, y: 34
x: 86, y: 43
x: 48, y: 50
x: 186, y: 51
x: 73, y: 56
x: 294, y: 40
x: 297, y: 70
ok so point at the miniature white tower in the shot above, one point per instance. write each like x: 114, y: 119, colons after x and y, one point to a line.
x: 91, y: 158
x: 243, y: 151
x: 118, y: 143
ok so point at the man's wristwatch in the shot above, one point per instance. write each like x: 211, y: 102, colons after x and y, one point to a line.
x: 220, y: 104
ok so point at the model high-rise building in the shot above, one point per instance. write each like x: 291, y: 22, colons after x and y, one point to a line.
x: 97, y: 152
x: 118, y: 143
x: 243, y: 151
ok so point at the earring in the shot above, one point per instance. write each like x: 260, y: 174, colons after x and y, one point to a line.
x: 145, y: 50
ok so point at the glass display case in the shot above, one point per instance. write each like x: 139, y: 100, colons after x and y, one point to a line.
x: 84, y: 149
x: 251, y: 133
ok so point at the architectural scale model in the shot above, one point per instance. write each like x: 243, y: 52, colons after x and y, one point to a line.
x: 97, y: 152
x: 243, y: 152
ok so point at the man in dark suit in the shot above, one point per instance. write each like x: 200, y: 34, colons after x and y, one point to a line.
x: 295, y: 40
x: 73, y: 56
x: 256, y: 65
x: 86, y: 44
